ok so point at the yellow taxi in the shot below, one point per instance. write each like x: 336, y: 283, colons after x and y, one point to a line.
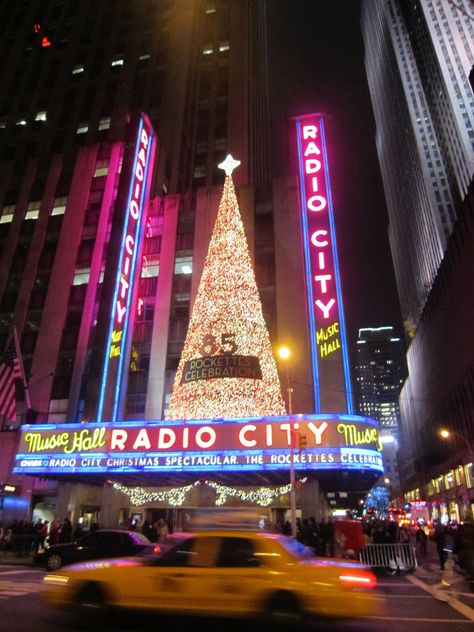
x: 222, y: 573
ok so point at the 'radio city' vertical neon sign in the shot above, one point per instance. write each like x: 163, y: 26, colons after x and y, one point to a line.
x: 112, y: 377
x: 326, y: 317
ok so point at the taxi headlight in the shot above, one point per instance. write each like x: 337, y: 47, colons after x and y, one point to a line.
x: 56, y: 580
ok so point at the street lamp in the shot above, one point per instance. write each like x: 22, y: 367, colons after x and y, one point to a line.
x: 446, y: 434
x: 284, y: 354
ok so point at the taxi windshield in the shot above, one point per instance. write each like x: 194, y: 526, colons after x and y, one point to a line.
x: 295, y: 547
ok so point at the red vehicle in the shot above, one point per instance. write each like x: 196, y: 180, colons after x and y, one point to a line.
x: 349, y: 538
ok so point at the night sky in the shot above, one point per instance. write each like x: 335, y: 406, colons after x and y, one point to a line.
x: 316, y: 64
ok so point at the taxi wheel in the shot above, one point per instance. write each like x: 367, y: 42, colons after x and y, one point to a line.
x: 284, y: 611
x: 92, y: 597
x: 54, y: 562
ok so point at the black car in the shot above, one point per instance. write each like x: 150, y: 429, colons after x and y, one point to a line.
x: 98, y: 544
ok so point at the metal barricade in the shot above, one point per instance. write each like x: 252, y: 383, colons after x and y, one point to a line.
x: 398, y: 557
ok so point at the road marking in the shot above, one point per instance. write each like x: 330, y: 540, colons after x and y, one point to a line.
x: 421, y: 619
x: 467, y: 611
x: 22, y: 572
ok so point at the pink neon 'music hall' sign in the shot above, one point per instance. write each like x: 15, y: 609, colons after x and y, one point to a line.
x: 326, y: 318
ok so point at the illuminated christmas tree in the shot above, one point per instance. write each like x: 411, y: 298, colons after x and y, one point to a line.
x: 227, y: 367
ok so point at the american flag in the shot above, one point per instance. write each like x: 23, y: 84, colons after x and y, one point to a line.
x: 10, y: 371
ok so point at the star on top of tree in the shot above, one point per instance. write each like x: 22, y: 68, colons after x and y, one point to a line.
x: 229, y: 165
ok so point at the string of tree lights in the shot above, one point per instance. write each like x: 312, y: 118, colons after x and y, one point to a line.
x: 227, y: 338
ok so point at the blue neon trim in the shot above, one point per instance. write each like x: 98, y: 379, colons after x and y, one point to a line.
x: 105, y: 371
x: 345, y: 356
x: 118, y: 383
x: 309, y: 285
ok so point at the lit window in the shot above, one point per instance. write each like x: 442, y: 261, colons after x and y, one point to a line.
x: 78, y: 69
x: 469, y: 476
x: 101, y: 169
x: 21, y: 122
x: 3, y: 122
x: 150, y: 266
x: 224, y: 47
x: 32, y: 211
x: 144, y: 57
x: 117, y: 61
x: 7, y: 214
x: 57, y: 410
x: 81, y: 276
x: 83, y: 128
x: 183, y: 265
x: 41, y: 116
x: 59, y: 206
x: 211, y: 9
x: 104, y: 123
x: 207, y: 50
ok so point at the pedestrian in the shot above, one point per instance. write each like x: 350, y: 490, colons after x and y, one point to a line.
x: 65, y: 531
x: 162, y: 530
x: 440, y: 539
x: 43, y: 534
x: 54, y: 532
x: 421, y: 541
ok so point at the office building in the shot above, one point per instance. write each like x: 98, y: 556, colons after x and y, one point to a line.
x: 379, y: 375
x: 419, y: 57
x: 115, y: 120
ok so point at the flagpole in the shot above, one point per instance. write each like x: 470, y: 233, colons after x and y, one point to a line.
x: 23, y: 377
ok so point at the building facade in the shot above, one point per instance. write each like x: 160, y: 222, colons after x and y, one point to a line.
x: 116, y: 118
x: 379, y: 376
x: 419, y: 57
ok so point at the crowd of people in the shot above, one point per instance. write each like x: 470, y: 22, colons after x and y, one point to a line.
x: 23, y: 537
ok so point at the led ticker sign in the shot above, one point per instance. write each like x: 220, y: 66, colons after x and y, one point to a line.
x: 263, y: 443
x: 326, y: 318
x: 116, y: 348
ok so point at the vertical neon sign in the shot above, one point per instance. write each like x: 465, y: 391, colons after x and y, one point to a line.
x: 329, y: 355
x: 116, y: 349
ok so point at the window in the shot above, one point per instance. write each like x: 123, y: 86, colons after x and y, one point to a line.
x: 21, y: 122
x: 183, y: 265
x: 32, y: 211
x: 3, y: 122
x: 469, y: 476
x: 237, y: 553
x: 59, y: 206
x: 117, y: 61
x: 102, y: 167
x: 150, y: 266
x: 41, y: 116
x: 7, y: 214
x: 207, y: 50
x: 199, y: 172
x: 104, y: 123
x: 144, y: 57
x: 57, y: 410
x: 83, y: 128
x: 78, y: 69
x: 81, y: 276
x: 224, y: 47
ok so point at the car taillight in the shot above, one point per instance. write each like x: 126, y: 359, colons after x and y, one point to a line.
x: 360, y: 579
x: 156, y: 549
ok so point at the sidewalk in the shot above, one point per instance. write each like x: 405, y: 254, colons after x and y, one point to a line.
x: 9, y: 558
x: 448, y: 584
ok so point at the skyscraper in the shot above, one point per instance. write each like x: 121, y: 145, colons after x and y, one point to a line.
x: 379, y: 375
x: 418, y: 56
x: 115, y: 118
